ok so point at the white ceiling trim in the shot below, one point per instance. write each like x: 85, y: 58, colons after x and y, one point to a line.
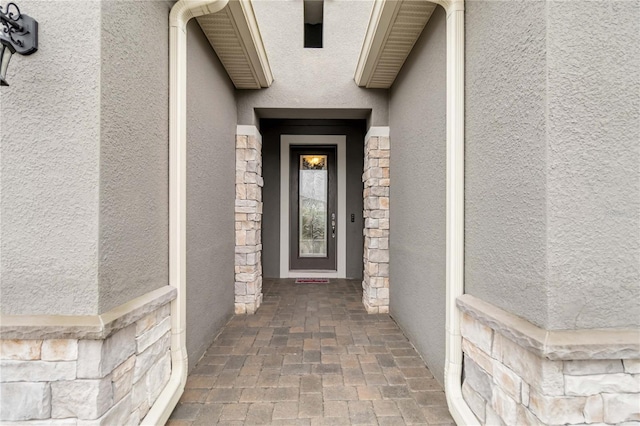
x: 394, y: 27
x: 234, y: 34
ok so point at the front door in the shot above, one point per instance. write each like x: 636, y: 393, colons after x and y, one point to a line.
x: 313, y: 208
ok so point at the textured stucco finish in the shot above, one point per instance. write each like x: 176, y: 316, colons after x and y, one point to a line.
x: 552, y: 161
x: 418, y: 227
x: 134, y: 141
x: 313, y: 78
x: 593, y: 164
x: 505, y: 151
x: 50, y: 166
x: 211, y: 128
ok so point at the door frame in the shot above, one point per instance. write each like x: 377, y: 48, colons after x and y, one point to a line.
x: 340, y: 141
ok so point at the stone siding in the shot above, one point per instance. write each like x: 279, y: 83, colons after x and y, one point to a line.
x: 248, y: 224
x: 507, y: 383
x: 375, y: 284
x: 87, y: 381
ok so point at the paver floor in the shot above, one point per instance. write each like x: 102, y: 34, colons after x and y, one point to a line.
x: 311, y: 355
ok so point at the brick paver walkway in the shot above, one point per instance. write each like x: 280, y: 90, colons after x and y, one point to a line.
x: 311, y: 355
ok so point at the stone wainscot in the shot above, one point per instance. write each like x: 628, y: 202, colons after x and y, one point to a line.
x: 97, y: 370
x: 519, y: 374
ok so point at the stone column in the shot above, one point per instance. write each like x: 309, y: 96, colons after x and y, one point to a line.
x: 375, y: 285
x: 248, y: 223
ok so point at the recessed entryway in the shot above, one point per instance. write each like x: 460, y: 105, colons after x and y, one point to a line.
x: 313, y: 206
x: 344, y: 140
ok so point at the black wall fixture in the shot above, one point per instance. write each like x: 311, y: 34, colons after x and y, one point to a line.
x: 18, y: 34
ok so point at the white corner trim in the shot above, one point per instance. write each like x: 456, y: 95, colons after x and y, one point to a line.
x: 377, y: 131
x: 341, y: 250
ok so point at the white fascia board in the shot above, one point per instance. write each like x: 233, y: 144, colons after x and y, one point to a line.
x: 246, y: 24
x: 380, y: 23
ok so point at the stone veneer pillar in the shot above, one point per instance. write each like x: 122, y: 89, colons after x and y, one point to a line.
x: 248, y: 221
x: 106, y: 369
x: 519, y: 374
x: 375, y: 284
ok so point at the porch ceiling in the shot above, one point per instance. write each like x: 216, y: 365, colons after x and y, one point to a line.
x: 234, y: 35
x: 394, y: 27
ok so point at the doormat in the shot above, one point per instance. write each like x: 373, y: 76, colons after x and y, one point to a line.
x: 312, y: 281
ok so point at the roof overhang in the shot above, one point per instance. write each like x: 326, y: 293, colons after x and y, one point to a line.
x: 394, y: 27
x: 234, y: 35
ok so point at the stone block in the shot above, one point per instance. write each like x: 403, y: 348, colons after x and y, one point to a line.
x: 383, y: 293
x: 153, y: 335
x: 25, y: 401
x: 59, y: 350
x: 97, y: 358
x: 240, y: 288
x: 539, y: 373
x: 379, y: 256
x: 371, y: 144
x: 492, y: 418
x: 526, y: 417
x: 504, y: 406
x: 18, y: 349
x: 84, y: 399
x: 596, y: 366
x: 117, y: 415
x: 146, y: 323
x: 241, y: 141
x: 37, y: 371
x: 158, y: 376
x: 598, y: 383
x: 150, y: 356
x: 620, y: 408
x: 383, y: 202
x: 383, y: 270
x: 479, y: 380
x: 557, y: 409
x: 594, y: 409
x: 631, y: 366
x: 507, y: 380
x: 478, y: 356
x: 122, y: 379
x: 477, y: 333
x: 475, y: 401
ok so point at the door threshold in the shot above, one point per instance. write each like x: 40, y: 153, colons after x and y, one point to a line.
x: 304, y: 273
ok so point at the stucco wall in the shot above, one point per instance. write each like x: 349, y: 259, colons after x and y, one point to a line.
x: 49, y: 144
x: 505, y: 155
x: 134, y: 141
x: 552, y: 183
x: 313, y: 78
x: 211, y: 128
x: 593, y: 169
x: 417, y: 235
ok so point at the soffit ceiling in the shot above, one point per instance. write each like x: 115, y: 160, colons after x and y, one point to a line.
x: 394, y: 28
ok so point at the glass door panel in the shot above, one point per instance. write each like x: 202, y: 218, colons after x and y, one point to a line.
x: 313, y: 199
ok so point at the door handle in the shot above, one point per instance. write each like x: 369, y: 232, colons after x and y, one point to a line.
x: 333, y: 225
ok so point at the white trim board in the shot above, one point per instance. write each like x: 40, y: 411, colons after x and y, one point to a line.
x: 341, y: 250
